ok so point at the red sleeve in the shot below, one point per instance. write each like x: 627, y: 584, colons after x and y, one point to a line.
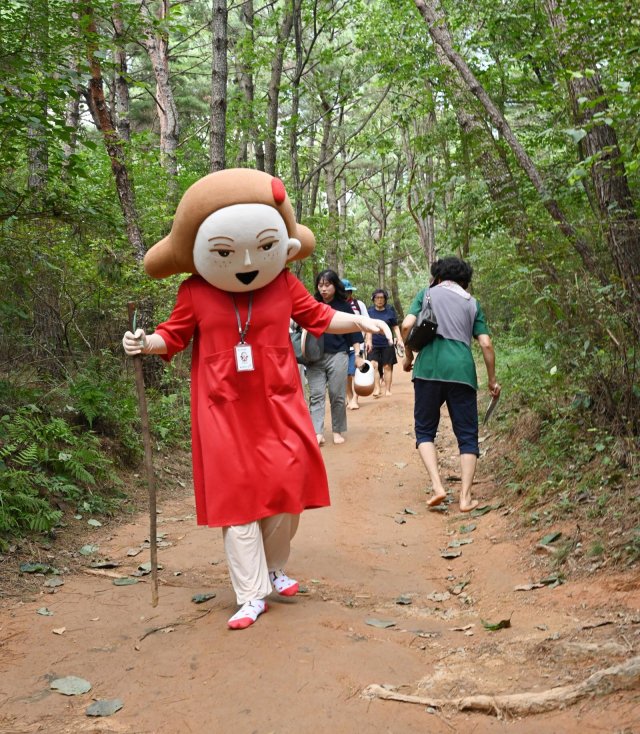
x: 313, y: 316
x: 178, y: 330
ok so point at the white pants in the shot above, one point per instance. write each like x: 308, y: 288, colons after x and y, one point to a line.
x: 255, y: 549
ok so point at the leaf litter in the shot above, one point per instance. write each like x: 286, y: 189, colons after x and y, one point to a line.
x: 104, y: 707
x: 200, y: 598
x: 379, y: 623
x: 71, y: 686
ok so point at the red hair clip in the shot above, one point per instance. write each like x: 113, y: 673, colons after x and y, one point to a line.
x: 279, y: 192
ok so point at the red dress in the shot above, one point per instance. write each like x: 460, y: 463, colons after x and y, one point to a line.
x: 254, y: 449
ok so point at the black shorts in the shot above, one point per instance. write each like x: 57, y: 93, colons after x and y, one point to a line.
x: 383, y: 355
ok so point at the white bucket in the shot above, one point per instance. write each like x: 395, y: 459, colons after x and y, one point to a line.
x: 363, y: 380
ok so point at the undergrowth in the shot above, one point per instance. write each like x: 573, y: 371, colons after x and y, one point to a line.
x: 561, y: 460
x: 62, y: 447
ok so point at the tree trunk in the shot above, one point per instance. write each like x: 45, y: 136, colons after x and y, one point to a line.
x: 121, y: 85
x: 157, y: 46
x: 295, y: 108
x: 38, y: 148
x: 342, y: 228
x: 439, y: 31
x: 608, y: 174
x: 112, y: 142
x: 273, y: 92
x: 246, y: 84
x: 218, y: 109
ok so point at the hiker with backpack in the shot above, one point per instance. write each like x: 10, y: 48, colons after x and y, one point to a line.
x: 441, y: 323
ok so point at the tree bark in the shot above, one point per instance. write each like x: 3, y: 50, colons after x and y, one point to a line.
x: 218, y: 108
x: 608, y: 175
x: 440, y: 34
x: 112, y: 141
x: 273, y: 92
x: 157, y: 46
x: 123, y: 103
x: 246, y: 83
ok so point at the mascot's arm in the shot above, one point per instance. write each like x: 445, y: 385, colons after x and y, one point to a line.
x: 343, y: 323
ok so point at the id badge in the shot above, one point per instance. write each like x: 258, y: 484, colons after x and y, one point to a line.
x: 244, y: 358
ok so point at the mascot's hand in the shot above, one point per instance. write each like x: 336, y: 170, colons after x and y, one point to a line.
x: 134, y: 343
x: 140, y: 343
x: 375, y: 326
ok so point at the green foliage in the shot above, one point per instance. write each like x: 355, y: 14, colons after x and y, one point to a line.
x: 43, y: 458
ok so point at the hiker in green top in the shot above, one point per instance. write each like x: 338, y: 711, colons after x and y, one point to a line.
x: 444, y: 371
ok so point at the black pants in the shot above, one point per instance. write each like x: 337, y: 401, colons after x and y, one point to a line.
x: 462, y: 403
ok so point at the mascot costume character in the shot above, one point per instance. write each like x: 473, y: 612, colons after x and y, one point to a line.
x: 256, y: 461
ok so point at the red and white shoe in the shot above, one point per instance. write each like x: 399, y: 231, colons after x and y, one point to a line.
x: 283, y: 584
x: 249, y: 612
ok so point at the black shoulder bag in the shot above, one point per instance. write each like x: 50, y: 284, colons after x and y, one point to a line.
x: 424, y: 330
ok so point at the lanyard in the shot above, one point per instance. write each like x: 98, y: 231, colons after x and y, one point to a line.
x: 242, y: 331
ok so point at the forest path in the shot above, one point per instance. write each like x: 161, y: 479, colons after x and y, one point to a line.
x: 302, y: 667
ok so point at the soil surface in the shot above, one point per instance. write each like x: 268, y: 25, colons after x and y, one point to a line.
x: 303, y: 665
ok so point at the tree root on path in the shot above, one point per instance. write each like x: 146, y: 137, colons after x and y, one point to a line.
x: 616, y: 678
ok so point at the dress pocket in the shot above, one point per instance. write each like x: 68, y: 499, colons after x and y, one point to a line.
x: 222, y: 377
x: 280, y: 371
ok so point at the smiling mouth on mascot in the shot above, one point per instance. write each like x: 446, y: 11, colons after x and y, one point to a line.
x: 247, y: 278
x: 236, y: 228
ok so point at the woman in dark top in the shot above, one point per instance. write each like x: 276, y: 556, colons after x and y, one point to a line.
x: 331, y: 369
x: 380, y: 353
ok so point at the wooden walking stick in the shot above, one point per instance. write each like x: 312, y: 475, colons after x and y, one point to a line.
x: 148, y: 460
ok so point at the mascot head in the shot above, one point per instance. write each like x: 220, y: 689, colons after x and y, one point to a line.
x: 235, y: 228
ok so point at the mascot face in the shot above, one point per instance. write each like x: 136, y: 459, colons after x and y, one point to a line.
x: 243, y: 247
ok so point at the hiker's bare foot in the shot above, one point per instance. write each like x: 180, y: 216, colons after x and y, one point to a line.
x: 338, y: 438
x: 320, y: 438
x: 376, y: 394
x: 437, y: 499
x: 387, y: 394
x: 468, y: 505
x: 353, y: 406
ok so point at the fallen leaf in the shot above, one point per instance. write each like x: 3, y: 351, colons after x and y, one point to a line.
x: 134, y: 551
x: 542, y: 627
x: 467, y: 528
x: 104, y: 707
x: 479, y: 511
x: 407, y: 511
x: 59, y: 631
x: 450, y: 554
x: 125, y: 582
x: 456, y: 543
x: 53, y: 582
x: 462, y: 629
x: 554, y: 580
x: 34, y: 567
x: 551, y: 538
x: 379, y: 623
x: 502, y: 624
x: 94, y: 523
x: 400, y: 520
x: 457, y: 589
x: 403, y: 600
x: 435, y: 596
x: 71, y: 686
x: 199, y: 598
x: 94, y: 619
x: 45, y: 612
x: 528, y: 587
x: 400, y: 464
x: 145, y: 568
x: 166, y: 630
x: 87, y: 550
x: 105, y: 564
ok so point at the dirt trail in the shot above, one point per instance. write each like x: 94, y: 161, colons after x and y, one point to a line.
x: 302, y: 667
